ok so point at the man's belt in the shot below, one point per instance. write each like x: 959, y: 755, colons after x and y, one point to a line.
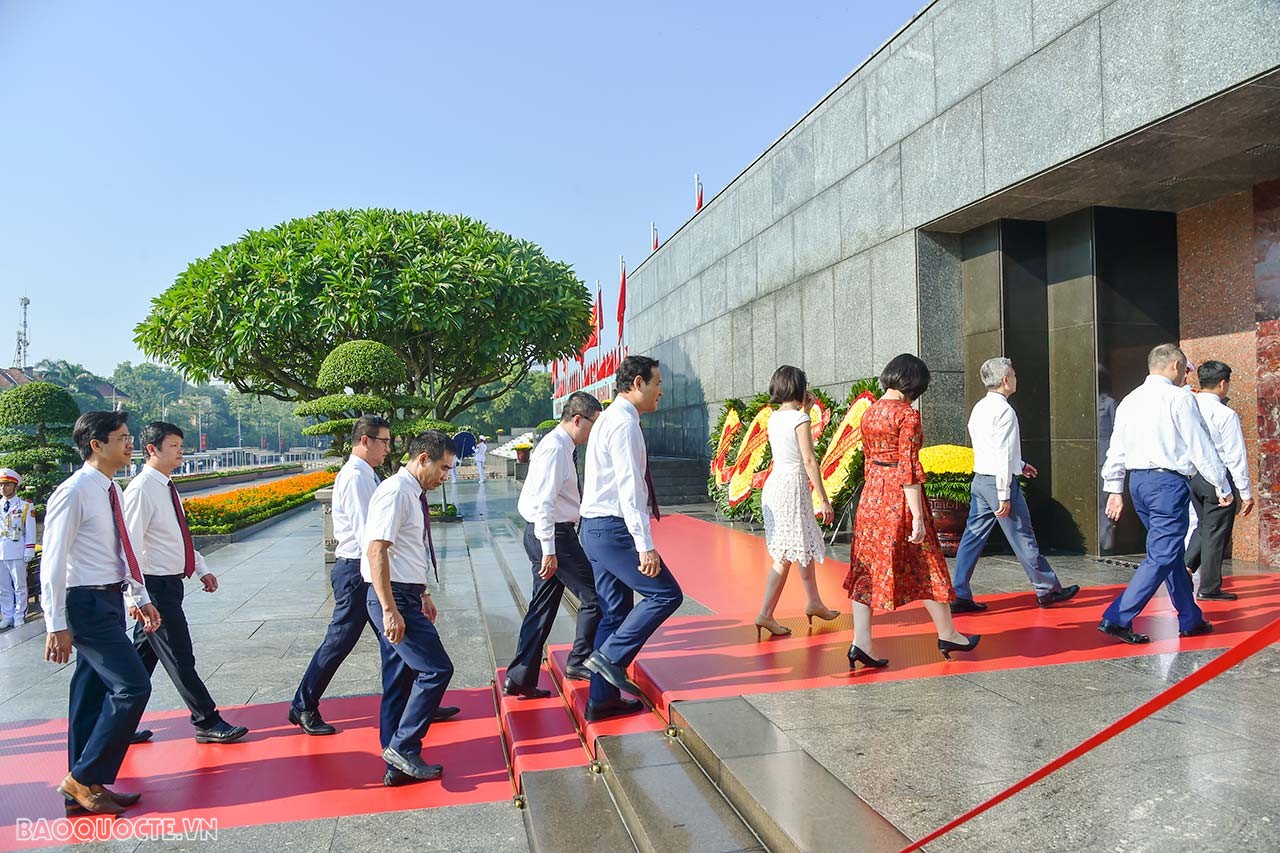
x: 120, y: 586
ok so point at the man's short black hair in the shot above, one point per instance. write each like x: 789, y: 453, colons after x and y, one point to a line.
x: 631, y: 367
x: 368, y: 425
x: 154, y: 434
x: 1213, y: 373
x: 788, y: 385
x: 907, y: 374
x: 580, y: 403
x: 96, y: 426
x: 432, y: 442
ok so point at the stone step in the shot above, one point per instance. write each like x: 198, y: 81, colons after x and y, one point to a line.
x: 783, y: 794
x: 666, y: 800
x: 570, y: 811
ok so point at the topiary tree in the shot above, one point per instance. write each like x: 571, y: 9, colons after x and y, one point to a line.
x: 461, y: 304
x: 36, y: 414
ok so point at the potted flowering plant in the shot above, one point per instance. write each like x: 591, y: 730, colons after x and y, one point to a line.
x: 948, y: 486
x: 522, y: 451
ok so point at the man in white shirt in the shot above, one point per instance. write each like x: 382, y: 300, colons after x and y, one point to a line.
x: 617, y: 503
x: 549, y: 504
x: 1161, y: 441
x: 482, y: 450
x: 88, y: 561
x: 166, y: 552
x: 17, y: 548
x: 1215, y: 523
x: 996, y: 494
x: 398, y: 555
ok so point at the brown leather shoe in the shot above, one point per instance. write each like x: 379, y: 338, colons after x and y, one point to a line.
x: 94, y: 799
x: 121, y: 798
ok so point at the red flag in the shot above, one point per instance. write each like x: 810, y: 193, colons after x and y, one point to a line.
x: 653, y: 234
x: 622, y: 290
x: 697, y: 186
x: 597, y: 323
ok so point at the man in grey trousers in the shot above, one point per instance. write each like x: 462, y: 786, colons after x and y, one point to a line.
x: 997, y: 496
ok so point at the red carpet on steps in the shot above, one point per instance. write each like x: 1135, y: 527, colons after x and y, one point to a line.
x: 539, y: 734
x: 277, y: 773
x: 575, y: 694
x: 704, y: 657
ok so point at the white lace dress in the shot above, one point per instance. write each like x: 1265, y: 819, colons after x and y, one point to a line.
x: 790, y: 528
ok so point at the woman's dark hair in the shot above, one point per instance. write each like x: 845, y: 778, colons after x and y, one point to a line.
x: 96, y: 426
x: 788, y: 385
x: 907, y: 374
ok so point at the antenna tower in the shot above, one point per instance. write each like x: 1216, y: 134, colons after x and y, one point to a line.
x: 24, y: 339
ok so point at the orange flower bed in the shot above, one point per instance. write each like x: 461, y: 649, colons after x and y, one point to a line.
x: 231, y: 511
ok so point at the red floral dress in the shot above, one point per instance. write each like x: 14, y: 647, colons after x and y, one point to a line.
x: 885, y: 569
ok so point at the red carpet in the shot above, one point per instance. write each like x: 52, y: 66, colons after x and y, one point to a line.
x: 275, y: 774
x: 575, y: 695
x: 539, y: 734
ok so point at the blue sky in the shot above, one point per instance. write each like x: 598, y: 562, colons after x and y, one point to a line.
x: 136, y: 137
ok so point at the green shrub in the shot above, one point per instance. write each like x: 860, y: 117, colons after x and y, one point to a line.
x: 361, y: 365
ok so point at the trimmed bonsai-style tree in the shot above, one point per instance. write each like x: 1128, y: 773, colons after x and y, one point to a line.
x: 35, y: 415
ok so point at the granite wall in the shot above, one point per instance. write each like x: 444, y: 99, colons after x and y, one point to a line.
x: 1216, y: 296
x: 812, y: 254
x: 1266, y: 271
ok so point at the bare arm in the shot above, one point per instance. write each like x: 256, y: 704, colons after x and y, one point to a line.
x: 805, y: 439
x: 380, y: 574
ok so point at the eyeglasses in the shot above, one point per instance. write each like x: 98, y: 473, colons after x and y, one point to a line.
x: 387, y: 439
x: 126, y: 439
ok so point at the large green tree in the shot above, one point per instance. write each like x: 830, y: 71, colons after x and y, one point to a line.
x: 526, y: 404
x: 469, y: 309
x: 79, y: 381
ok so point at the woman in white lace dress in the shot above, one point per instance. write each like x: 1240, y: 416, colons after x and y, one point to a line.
x: 790, y: 529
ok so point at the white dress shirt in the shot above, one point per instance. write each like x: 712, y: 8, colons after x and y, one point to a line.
x: 352, y: 491
x: 616, y: 459
x: 997, y: 441
x: 153, y: 526
x: 481, y: 450
x: 395, y: 516
x: 81, y: 546
x: 1158, y: 425
x: 1228, y: 439
x: 550, y: 494
x: 19, y: 534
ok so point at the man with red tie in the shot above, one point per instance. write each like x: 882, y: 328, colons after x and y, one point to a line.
x: 618, y: 502
x: 162, y: 540
x: 88, y: 562
x: 399, y: 553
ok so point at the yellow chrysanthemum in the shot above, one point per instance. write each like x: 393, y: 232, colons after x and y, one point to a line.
x: 947, y: 459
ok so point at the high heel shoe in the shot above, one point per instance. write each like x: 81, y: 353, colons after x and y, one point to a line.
x: 825, y: 615
x: 947, y: 647
x: 857, y: 655
x: 772, y: 626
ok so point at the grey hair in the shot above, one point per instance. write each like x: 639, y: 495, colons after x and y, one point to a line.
x: 994, y: 370
x: 580, y: 403
x: 1164, y: 355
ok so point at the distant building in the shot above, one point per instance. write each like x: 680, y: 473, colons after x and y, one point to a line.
x: 104, y: 391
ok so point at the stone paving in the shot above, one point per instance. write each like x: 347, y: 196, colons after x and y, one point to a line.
x: 1197, y: 776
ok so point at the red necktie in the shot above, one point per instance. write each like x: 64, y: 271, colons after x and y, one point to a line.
x: 431, y: 547
x: 188, y: 547
x: 130, y: 558
x: 653, y: 496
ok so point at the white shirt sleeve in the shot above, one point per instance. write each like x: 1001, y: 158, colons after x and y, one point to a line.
x: 544, y: 507
x: 628, y: 447
x: 61, y: 523
x: 1005, y: 433
x: 1190, y: 424
x: 1113, y: 469
x: 31, y: 531
x: 135, y: 593
x: 381, y: 523
x: 362, y: 487
x: 138, y: 512
x: 1234, y: 455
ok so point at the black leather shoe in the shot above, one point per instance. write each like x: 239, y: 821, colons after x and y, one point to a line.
x: 1058, y: 596
x: 445, y: 712
x: 394, y: 779
x: 142, y: 736
x: 967, y: 605
x: 1130, y: 636
x: 597, y: 711
x: 1205, y: 627
x: 612, y: 673
x: 573, y: 672
x: 221, y: 732
x: 1217, y: 596
x: 510, y: 688
x: 412, y: 765
x: 311, y: 722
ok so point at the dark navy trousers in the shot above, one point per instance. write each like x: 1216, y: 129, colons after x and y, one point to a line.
x: 170, y: 645
x: 573, y: 571
x: 109, y: 688
x: 1161, y: 499
x: 350, y: 615
x: 624, y: 625
x: 415, y: 671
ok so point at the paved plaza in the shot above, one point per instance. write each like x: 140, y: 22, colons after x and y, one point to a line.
x: 1195, y: 776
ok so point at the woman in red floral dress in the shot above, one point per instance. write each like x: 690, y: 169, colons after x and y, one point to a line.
x: 895, y: 557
